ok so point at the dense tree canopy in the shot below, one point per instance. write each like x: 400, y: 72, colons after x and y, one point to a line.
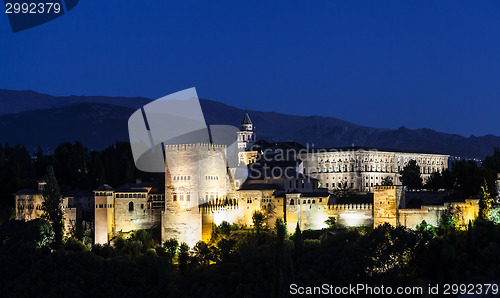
x: 410, y: 175
x: 74, y: 166
x: 244, y: 263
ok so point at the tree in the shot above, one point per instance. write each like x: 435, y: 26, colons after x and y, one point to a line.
x: 344, y: 191
x: 183, y: 256
x: 298, y: 241
x: 485, y: 202
x: 410, y: 175
x: 171, y: 246
x: 283, y: 269
x: 42, y: 161
x: 448, y: 181
x: 51, y: 205
x: 144, y: 237
x: 258, y: 219
x: 448, y: 220
x: 493, y: 162
x: 434, y: 182
x: 387, y: 181
x: 331, y: 222
x: 203, y: 253
x: 495, y: 215
x: 225, y: 228
x: 226, y: 248
x: 468, y: 177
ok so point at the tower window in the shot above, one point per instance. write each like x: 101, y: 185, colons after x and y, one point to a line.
x: 131, y: 206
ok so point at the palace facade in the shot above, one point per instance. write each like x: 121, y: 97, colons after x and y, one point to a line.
x: 282, y: 180
x: 285, y: 180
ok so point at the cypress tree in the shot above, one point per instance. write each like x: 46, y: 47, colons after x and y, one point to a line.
x: 51, y: 205
x: 298, y: 241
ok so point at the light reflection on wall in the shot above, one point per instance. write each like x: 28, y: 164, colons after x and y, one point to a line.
x: 319, y: 221
x: 352, y: 219
x: 219, y: 217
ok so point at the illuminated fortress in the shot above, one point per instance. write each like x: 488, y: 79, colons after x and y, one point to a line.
x: 202, y: 191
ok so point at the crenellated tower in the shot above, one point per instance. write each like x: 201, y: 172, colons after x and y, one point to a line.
x: 196, y: 174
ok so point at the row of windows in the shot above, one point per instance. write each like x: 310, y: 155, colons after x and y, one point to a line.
x: 309, y: 201
x: 181, y: 197
x: 372, y: 168
x: 157, y: 205
x: 250, y: 137
x: 380, y: 159
x: 157, y: 197
x: 104, y: 206
x: 339, y: 178
x: 131, y: 206
x: 333, y: 162
x: 182, y: 178
x: 367, y: 168
x: 299, y: 184
x: 249, y: 200
x: 211, y: 177
x: 339, y: 185
x: 102, y: 194
x: 211, y: 196
x: 131, y: 196
x: 29, y: 207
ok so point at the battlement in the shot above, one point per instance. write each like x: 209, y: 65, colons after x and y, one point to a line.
x: 195, y: 146
x: 380, y: 187
x: 362, y: 206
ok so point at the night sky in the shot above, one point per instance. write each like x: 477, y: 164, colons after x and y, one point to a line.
x: 432, y: 64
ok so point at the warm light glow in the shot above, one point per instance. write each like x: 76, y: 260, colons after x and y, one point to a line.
x: 219, y: 217
x: 350, y: 219
x: 319, y: 221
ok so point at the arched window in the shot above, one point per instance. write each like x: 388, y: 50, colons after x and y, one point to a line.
x: 131, y: 206
x: 291, y: 201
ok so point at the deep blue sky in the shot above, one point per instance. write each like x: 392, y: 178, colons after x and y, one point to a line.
x: 420, y: 64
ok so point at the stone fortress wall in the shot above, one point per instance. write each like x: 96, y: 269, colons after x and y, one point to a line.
x: 390, y: 207
x: 28, y: 206
x: 200, y: 193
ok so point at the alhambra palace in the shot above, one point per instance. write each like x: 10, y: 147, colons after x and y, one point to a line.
x: 283, y: 180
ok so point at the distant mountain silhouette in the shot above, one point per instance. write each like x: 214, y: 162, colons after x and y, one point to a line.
x: 21, y: 101
x: 99, y: 121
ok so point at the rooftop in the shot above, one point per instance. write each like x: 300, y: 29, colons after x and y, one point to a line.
x: 246, y: 119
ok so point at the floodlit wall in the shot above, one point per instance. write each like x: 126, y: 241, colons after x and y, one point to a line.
x: 28, y: 206
x: 195, y: 174
x: 103, y: 215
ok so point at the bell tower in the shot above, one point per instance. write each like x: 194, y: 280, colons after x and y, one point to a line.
x: 246, y: 135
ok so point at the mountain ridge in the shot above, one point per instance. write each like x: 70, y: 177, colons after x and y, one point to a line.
x: 99, y: 121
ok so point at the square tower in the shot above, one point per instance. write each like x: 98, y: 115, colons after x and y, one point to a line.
x: 386, y: 202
